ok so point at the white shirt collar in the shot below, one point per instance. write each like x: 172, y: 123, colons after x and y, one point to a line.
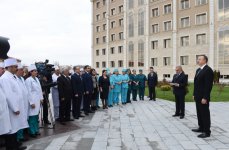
x: 203, y: 66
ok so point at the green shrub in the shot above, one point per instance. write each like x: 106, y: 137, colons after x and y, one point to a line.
x: 165, y: 88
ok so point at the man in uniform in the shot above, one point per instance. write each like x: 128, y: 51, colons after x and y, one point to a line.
x: 55, y: 93
x: 125, y: 80
x: 142, y: 81
x: 135, y: 84
x: 152, y: 83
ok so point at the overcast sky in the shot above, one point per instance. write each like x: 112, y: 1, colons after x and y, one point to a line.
x: 59, y: 30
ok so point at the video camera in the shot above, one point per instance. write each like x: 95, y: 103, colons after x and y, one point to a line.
x: 45, y: 69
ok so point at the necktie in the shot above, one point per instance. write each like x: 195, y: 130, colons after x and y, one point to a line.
x: 198, y: 71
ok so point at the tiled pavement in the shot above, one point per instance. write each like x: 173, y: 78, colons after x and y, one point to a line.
x: 142, y: 125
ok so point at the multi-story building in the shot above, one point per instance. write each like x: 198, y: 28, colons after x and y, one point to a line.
x: 160, y: 33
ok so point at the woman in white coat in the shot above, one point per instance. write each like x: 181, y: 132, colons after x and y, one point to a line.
x: 35, y: 99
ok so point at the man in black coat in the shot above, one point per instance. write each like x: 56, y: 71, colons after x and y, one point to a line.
x: 179, y: 84
x: 203, y: 83
x: 88, y: 89
x: 65, y: 96
x: 152, y: 83
x: 78, y: 91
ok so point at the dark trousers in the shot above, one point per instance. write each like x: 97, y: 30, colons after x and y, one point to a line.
x: 128, y: 95
x: 180, y: 104
x: 11, y: 141
x: 87, y: 102
x: 152, y: 93
x: 45, y: 110
x: 65, y: 109
x: 203, y: 116
x: 134, y: 93
x: 141, y: 93
x: 76, y: 103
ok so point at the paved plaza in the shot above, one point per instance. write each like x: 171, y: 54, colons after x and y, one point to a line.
x: 142, y: 125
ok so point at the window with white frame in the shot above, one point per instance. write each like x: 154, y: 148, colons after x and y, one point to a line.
x: 141, y: 23
x: 120, y: 63
x: 155, y: 28
x: 104, y: 15
x: 168, y: 9
x: 167, y: 43
x: 154, y: 62
x: 201, y: 39
x: 121, y: 9
x: 113, y: 11
x: 104, y: 2
x: 121, y: 36
x: 130, y: 4
x: 184, y: 41
x: 167, y: 61
x: 97, y: 17
x: 112, y: 50
x: 131, y: 25
x: 97, y: 52
x: 97, y: 40
x: 184, y: 60
x: 141, y: 2
x: 97, y: 4
x: 104, y: 51
x: 223, y: 10
x: 112, y: 37
x: 185, y: 22
x: 121, y: 22
x: 104, y: 27
x: 167, y: 25
x: 104, y: 39
x: 155, y: 12
x: 141, y: 47
x: 97, y: 28
x: 131, y: 54
x: 120, y: 49
x: 112, y: 24
x: 223, y: 46
x: 104, y: 64
x: 201, y: 19
x: 201, y: 2
x: 97, y: 64
x: 184, y: 4
x: 154, y: 44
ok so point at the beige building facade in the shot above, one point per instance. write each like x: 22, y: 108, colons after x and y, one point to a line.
x: 137, y: 34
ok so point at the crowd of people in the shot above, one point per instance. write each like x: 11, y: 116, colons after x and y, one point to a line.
x: 77, y: 94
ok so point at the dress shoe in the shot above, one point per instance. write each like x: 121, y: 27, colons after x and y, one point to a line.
x: 47, y: 122
x: 154, y: 99
x: 81, y: 116
x: 69, y: 120
x: 22, y: 148
x: 203, y: 135
x: 181, y: 117
x: 86, y: 113
x: 150, y: 99
x: 38, y: 133
x: 24, y: 140
x: 176, y: 115
x: 33, y: 136
x: 197, y: 130
x: 90, y: 111
x: 62, y: 123
x: 76, y: 118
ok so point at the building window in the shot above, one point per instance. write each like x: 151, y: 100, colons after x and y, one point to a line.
x: 104, y: 15
x: 97, y: 17
x: 104, y: 2
x: 104, y: 39
x: 104, y: 51
x: 120, y: 63
x: 131, y: 25
x: 167, y: 61
x: 112, y: 50
x: 121, y: 9
x: 104, y: 27
x: 141, y: 22
x: 166, y: 76
x: 155, y: 28
x: 184, y: 60
x: 97, y: 40
x: 112, y: 37
x: 131, y: 54
x: 200, y: 39
x: 97, y: 52
x: 141, y: 48
x: 167, y: 43
x: 223, y: 9
x: 97, y: 64
x: 131, y: 4
x: 201, y: 19
x: 141, y: 2
x: 224, y: 47
x: 97, y: 28
x: 184, y: 4
x: 121, y: 22
x: 184, y: 41
x: 120, y: 49
x: 112, y: 24
x: 154, y: 44
x: 168, y: 9
x: 104, y: 64
x: 121, y: 36
x: 97, y: 4
x: 155, y: 12
x: 167, y: 25
x: 113, y: 11
x: 112, y: 63
x: 153, y: 61
x: 201, y: 2
x: 185, y: 22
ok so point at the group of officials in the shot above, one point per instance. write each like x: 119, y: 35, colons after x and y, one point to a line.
x: 21, y: 98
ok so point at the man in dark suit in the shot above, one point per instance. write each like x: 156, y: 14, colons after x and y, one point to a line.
x: 65, y: 96
x: 78, y: 91
x: 203, y: 83
x: 179, y: 84
x: 152, y: 83
x: 88, y: 89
